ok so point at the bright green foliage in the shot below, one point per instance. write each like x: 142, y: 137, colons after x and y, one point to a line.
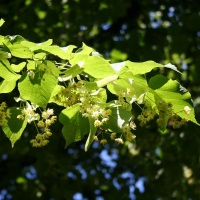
x: 80, y: 82
x: 40, y: 82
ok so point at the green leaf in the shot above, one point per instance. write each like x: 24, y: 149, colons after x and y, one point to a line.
x: 74, y: 125
x: 85, y: 49
x: 38, y: 90
x: 145, y: 67
x: 119, y: 117
x: 98, y: 67
x: 14, y: 127
x: 4, y: 54
x: 119, y: 86
x: 71, y: 73
x: 54, y: 94
x: 118, y: 67
x: 40, y: 56
x: 118, y: 55
x: 19, y: 67
x: 91, y: 135
x: 57, y: 51
x: 2, y: 39
x: 103, y: 82
x: 61, y: 52
x: 101, y: 95
x: 90, y: 85
x: 8, y: 85
x: 20, y: 51
x: 172, y: 92
x: 5, y: 69
x: 9, y: 76
x: 31, y: 65
x: 78, y: 58
x: 35, y: 46
x: 1, y: 22
x: 16, y: 39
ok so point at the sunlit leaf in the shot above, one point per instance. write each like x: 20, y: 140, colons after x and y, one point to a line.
x: 145, y: 67
x: 172, y: 92
x: 38, y: 89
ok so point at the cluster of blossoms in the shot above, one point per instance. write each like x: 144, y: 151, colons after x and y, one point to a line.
x: 102, y: 141
x: 76, y: 92
x: 166, y: 113
x: 101, y: 115
x: 147, y: 114
x: 118, y: 140
x: 121, y: 101
x: 176, y: 122
x: 126, y: 128
x: 127, y: 133
x: 44, y: 121
x: 71, y: 94
x: 4, y: 113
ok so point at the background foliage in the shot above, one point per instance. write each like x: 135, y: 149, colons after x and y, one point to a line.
x: 157, y: 166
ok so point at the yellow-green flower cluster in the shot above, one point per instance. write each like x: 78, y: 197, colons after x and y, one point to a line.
x: 147, y: 114
x: 101, y: 115
x: 165, y: 112
x: 126, y: 128
x: 71, y: 94
x: 29, y: 112
x: 44, y: 121
x: 118, y: 140
x: 121, y: 101
x: 126, y: 132
x: 4, y: 113
x: 42, y: 139
x: 176, y: 122
x: 47, y: 119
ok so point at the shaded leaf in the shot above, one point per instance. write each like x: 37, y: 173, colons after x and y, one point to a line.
x: 74, y: 125
x: 14, y: 127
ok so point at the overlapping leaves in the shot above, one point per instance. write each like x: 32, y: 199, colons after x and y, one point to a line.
x: 39, y: 80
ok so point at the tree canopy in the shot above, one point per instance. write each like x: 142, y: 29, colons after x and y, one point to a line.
x: 156, y: 165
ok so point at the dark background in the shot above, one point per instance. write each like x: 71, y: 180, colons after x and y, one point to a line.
x: 157, y: 166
